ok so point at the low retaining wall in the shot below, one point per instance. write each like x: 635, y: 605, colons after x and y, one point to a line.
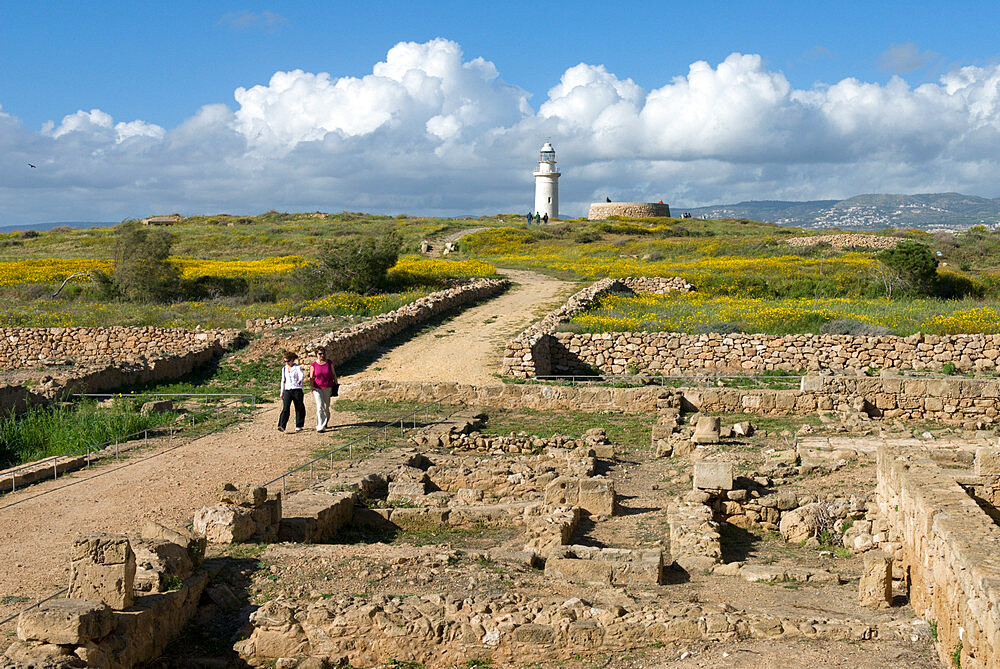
x: 25, y: 348
x: 972, y: 403
x: 950, y: 549
x: 348, y: 342
x: 94, y: 378
x: 560, y: 398
x: 530, y: 354
x: 674, y: 352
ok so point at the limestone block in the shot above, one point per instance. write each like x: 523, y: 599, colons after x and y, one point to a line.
x: 193, y: 543
x: 157, y: 561
x: 799, y: 524
x: 24, y: 654
x: 707, y: 430
x: 563, y: 491
x: 597, y: 496
x: 987, y: 461
x: 66, y: 621
x: 743, y: 429
x: 224, y: 524
x: 157, y: 406
x: 267, y: 518
x: 597, y: 572
x: 102, y: 568
x: 407, y: 488
x: 875, y: 588
x: 713, y: 475
x: 243, y: 495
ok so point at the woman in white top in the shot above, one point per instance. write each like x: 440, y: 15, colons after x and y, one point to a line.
x: 291, y: 393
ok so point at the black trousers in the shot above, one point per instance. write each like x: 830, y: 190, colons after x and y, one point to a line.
x: 289, y: 397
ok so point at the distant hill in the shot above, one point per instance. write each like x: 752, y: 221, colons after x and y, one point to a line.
x: 57, y: 224
x: 866, y: 212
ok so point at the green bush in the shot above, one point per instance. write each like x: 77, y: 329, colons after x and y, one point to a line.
x: 142, y: 271
x: 914, y: 261
x: 360, y: 266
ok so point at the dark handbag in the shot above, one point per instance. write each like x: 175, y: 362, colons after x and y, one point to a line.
x: 336, y: 389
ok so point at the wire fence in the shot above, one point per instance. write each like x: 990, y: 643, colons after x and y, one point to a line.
x: 111, y: 448
x: 378, y: 434
x: 238, y: 402
x: 33, y: 606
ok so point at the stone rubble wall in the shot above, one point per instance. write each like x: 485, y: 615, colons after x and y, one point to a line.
x: 950, y: 551
x: 969, y: 402
x: 847, y: 241
x: 258, y: 325
x: 678, y: 353
x: 600, y: 211
x: 528, y: 355
x: 503, y: 630
x: 348, y: 342
x: 26, y: 348
x: 95, y: 377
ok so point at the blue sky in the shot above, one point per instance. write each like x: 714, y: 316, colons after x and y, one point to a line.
x: 815, y: 102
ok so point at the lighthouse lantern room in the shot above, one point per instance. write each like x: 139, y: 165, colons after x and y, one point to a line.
x: 547, y: 183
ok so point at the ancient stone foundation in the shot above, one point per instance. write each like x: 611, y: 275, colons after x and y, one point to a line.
x: 950, y: 549
x: 105, y: 622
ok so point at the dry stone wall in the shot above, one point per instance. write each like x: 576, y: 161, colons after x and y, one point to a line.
x: 529, y: 355
x: 347, y: 342
x: 950, y: 549
x: 679, y: 353
x: 847, y: 241
x: 505, y: 629
x: 98, y: 377
x: 25, y: 348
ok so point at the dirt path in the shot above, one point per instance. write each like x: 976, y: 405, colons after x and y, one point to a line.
x: 167, y: 483
x: 469, y: 347
x: 437, y: 244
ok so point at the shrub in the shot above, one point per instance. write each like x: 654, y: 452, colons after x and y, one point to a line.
x: 142, y: 271
x: 28, y: 234
x: 951, y: 285
x: 913, y: 261
x: 587, y: 237
x: 360, y: 266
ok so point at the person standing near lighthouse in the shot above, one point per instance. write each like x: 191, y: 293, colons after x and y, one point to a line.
x: 547, y: 184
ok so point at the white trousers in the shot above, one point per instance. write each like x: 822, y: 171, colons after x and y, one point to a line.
x: 322, y: 399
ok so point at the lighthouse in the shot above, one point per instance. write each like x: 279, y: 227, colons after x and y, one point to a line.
x: 547, y: 183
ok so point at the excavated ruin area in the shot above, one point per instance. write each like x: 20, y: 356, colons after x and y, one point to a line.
x: 476, y: 550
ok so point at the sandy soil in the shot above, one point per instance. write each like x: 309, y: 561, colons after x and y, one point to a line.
x: 167, y: 482
x: 469, y: 347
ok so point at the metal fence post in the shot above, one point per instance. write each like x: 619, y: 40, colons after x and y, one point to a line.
x: 55, y: 469
x: 116, y: 449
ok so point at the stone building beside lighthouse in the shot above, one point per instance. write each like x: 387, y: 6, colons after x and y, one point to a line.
x: 547, y: 183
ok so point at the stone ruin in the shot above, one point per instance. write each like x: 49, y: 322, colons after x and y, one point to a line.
x: 127, y: 598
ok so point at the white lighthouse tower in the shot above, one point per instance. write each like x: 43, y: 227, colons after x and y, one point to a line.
x: 547, y: 183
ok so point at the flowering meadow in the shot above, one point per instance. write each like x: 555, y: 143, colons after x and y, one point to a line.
x: 694, y: 312
x: 424, y: 274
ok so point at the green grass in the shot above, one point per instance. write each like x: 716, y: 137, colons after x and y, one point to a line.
x: 43, y: 432
x: 248, y: 238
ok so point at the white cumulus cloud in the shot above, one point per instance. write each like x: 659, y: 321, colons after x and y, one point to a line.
x: 431, y: 130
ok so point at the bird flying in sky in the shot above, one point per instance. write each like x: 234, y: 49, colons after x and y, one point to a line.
x: 31, y: 166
